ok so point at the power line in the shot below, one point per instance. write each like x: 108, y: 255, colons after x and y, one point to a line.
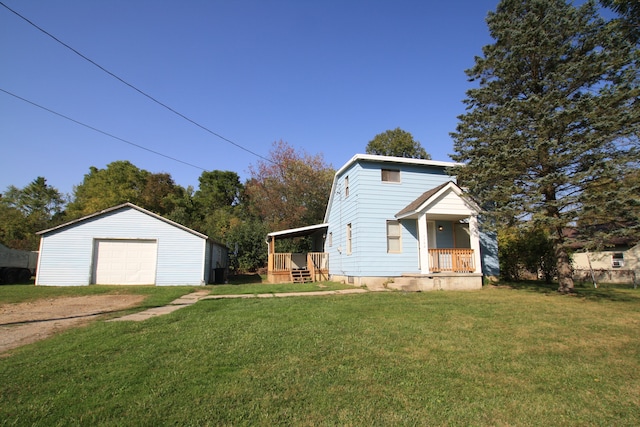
x: 101, y: 131
x: 134, y: 87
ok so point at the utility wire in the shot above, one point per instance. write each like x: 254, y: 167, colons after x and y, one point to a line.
x: 133, y: 87
x: 101, y: 131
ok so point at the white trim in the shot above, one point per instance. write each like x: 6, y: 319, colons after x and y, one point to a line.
x: 396, y: 160
x: 297, y: 230
x: 473, y: 207
x: 380, y: 159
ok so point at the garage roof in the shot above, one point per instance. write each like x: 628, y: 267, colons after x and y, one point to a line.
x: 119, y: 207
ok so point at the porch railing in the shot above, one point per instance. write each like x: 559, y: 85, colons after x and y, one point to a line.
x: 452, y: 260
x: 280, y: 262
x: 316, y: 262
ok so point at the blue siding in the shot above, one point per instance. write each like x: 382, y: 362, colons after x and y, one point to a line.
x: 66, y: 257
x: 370, y: 204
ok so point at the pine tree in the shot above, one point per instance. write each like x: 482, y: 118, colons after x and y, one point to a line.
x: 555, y: 112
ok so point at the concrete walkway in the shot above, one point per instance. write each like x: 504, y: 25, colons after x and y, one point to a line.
x: 192, y: 298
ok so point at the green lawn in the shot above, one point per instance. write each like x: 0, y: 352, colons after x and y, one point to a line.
x: 519, y: 355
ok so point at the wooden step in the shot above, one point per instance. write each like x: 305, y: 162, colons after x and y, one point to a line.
x: 301, y: 276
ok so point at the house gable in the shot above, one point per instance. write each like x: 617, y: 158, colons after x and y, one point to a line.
x: 372, y: 202
x: 446, y: 199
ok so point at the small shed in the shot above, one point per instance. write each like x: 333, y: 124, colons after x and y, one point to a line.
x: 128, y: 245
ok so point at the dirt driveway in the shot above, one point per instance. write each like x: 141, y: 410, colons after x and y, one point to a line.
x: 28, y: 322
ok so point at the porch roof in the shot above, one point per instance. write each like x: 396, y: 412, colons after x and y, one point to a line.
x: 419, y: 204
x: 298, y: 232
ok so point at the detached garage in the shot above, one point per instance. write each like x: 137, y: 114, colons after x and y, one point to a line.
x: 127, y: 245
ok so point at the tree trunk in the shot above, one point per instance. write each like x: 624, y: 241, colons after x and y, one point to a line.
x: 565, y: 276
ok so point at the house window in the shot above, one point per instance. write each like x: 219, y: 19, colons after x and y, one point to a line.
x: 346, y: 186
x: 330, y: 239
x: 394, y: 234
x: 390, y: 175
x: 348, y: 239
x: 617, y: 260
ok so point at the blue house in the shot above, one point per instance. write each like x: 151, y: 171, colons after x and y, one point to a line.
x: 393, y: 222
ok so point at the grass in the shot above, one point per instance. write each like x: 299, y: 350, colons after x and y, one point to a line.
x: 517, y: 355
x: 156, y: 295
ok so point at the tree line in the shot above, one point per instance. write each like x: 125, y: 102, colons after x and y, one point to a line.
x: 289, y: 189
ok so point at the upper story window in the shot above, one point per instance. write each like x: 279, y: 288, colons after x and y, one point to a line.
x: 390, y: 175
x: 346, y: 186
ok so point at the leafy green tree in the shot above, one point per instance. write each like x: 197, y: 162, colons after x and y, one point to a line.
x: 248, y: 238
x: 397, y: 143
x: 218, y: 189
x: 160, y: 193
x: 24, y: 211
x: 522, y: 249
x: 290, y: 190
x: 555, y: 110
x: 119, y: 183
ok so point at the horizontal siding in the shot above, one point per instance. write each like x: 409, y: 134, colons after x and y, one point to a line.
x: 370, y: 204
x: 67, y: 254
x: 449, y: 203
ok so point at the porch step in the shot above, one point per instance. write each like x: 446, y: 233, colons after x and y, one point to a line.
x: 301, y: 276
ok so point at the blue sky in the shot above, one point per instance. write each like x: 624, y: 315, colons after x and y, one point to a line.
x: 325, y: 76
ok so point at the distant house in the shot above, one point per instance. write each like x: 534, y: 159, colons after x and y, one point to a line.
x: 395, y: 222
x: 618, y: 262
x: 128, y: 245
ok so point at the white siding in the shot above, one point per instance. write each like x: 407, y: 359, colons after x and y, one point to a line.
x: 66, y: 257
x: 449, y: 203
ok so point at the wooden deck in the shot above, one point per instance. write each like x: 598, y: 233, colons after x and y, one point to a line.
x: 298, y: 267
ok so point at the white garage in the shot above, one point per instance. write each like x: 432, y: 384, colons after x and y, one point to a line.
x: 127, y: 245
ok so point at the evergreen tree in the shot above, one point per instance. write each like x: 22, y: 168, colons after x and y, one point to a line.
x: 555, y: 112
x: 24, y: 211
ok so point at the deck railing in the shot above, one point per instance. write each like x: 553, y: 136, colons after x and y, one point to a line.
x: 452, y: 260
x: 280, y: 262
x: 316, y: 262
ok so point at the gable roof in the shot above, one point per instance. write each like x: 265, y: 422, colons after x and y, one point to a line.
x: 420, y: 203
x: 121, y: 207
x: 391, y: 160
x: 397, y: 160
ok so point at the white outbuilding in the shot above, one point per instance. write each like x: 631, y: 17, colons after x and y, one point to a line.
x: 128, y: 245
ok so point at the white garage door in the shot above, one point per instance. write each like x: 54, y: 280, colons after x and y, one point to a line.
x: 125, y: 262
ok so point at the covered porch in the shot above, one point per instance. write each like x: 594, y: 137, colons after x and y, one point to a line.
x: 448, y: 235
x: 290, y: 267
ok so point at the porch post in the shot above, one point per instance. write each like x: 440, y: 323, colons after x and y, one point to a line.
x: 423, y: 242
x: 474, y: 235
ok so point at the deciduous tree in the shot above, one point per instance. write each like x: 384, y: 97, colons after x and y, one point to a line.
x: 398, y: 143
x: 289, y: 190
x: 555, y: 111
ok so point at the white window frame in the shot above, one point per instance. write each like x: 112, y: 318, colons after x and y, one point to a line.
x: 349, y: 235
x: 386, y: 175
x: 346, y: 186
x: 394, y: 237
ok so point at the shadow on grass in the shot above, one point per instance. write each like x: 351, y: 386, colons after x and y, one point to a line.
x: 606, y: 291
x: 245, y: 279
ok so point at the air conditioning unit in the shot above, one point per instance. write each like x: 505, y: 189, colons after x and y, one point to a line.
x: 617, y: 263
